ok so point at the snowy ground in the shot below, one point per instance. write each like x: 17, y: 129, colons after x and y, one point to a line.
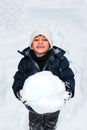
x: 68, y: 20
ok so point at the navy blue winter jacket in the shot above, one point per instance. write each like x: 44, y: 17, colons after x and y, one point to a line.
x: 57, y: 63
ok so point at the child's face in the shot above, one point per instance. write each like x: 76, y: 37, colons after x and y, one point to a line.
x: 40, y: 45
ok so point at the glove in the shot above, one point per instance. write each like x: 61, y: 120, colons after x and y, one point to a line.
x: 68, y: 89
x: 67, y: 96
x: 16, y: 91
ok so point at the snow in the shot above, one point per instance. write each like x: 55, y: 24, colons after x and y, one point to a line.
x: 68, y: 18
x: 44, y: 92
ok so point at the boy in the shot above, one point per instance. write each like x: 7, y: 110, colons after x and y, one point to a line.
x: 39, y: 56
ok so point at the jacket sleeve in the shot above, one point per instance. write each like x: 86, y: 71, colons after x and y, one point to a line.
x: 19, y: 76
x: 67, y: 75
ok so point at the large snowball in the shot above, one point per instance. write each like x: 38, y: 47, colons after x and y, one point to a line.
x: 44, y: 92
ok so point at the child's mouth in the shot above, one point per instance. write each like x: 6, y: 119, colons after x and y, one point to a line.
x: 40, y: 47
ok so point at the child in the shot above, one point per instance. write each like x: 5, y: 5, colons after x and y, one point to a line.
x: 39, y: 56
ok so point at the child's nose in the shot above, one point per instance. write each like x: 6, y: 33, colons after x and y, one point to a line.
x: 40, y: 41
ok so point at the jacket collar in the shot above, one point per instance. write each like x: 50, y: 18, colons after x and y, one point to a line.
x: 25, y: 52
x: 56, y: 51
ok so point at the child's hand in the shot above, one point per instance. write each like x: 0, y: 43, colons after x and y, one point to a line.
x: 17, y: 94
x: 68, y: 89
x: 67, y: 96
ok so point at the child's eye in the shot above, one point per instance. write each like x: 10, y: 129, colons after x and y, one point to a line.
x: 36, y: 39
x: 45, y: 39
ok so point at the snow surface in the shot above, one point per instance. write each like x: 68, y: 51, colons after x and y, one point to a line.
x: 44, y: 92
x: 68, y: 21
